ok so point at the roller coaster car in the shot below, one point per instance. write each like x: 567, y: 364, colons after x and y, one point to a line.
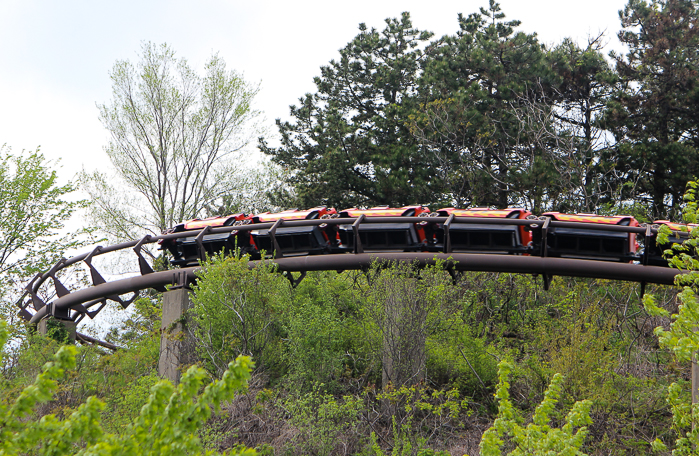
x: 585, y: 242
x: 483, y: 236
x: 407, y: 236
x: 654, y: 252
x: 185, y: 251
x: 296, y: 240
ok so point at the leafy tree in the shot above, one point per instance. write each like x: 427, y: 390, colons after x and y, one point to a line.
x: 34, y: 209
x: 168, y: 422
x: 174, y: 138
x: 654, y: 119
x: 257, y: 190
x: 348, y: 143
x: 473, y: 79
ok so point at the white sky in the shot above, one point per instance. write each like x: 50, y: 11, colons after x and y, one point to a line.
x: 55, y: 56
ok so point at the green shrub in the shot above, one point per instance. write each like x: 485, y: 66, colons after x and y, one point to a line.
x: 168, y: 423
x: 238, y: 310
x: 538, y: 438
x: 322, y: 422
x: 456, y: 358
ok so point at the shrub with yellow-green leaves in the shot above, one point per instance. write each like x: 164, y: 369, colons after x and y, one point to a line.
x: 682, y: 338
x: 538, y: 437
x: 169, y: 422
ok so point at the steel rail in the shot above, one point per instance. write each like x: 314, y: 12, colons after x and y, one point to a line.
x: 456, y: 261
x: 150, y: 239
x: 85, y: 339
x: 357, y: 260
x: 114, y: 288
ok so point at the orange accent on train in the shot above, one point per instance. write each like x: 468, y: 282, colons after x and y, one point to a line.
x: 385, y: 211
x: 227, y: 220
x: 485, y: 212
x: 593, y: 218
x: 294, y: 214
x: 684, y: 227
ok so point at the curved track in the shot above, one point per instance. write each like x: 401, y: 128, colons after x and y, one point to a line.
x: 88, y: 301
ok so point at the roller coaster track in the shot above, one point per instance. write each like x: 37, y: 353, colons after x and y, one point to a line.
x: 76, y: 304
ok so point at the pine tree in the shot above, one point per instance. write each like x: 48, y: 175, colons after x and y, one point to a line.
x: 348, y: 144
x: 655, y: 117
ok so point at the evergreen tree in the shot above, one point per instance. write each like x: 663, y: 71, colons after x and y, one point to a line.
x: 474, y: 79
x: 348, y: 144
x: 566, y: 126
x: 654, y: 119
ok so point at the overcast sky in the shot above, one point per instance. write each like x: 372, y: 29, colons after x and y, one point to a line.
x: 55, y: 56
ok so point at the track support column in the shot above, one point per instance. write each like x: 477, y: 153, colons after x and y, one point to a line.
x: 176, y: 345
x: 64, y: 331
x: 695, y: 379
x: 403, y: 337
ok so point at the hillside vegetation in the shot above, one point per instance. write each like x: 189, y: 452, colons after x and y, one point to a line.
x: 394, y: 359
x: 319, y: 388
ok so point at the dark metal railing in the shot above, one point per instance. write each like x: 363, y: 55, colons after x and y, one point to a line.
x: 77, y: 304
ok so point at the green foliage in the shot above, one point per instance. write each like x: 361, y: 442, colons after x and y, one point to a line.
x: 236, y: 310
x: 653, y: 115
x: 319, y: 331
x: 402, y: 444
x: 167, y: 423
x: 472, y: 81
x: 458, y: 358
x: 348, y: 143
x: 684, y: 414
x: 320, y: 419
x: 538, y: 437
x: 57, y: 331
x: 125, y: 405
x: 577, y: 345
x: 173, y: 134
x: 420, y: 416
x: 682, y: 338
x: 34, y: 209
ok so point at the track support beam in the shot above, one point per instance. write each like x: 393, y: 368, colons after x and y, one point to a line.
x: 63, y: 331
x: 176, y: 343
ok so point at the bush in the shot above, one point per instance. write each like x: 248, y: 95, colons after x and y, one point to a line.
x: 168, y: 423
x: 238, y: 310
x: 538, y: 438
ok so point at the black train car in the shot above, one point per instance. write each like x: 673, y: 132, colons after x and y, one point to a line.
x: 184, y: 250
x: 483, y: 237
x: 295, y: 240
x: 584, y: 242
x: 385, y: 236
